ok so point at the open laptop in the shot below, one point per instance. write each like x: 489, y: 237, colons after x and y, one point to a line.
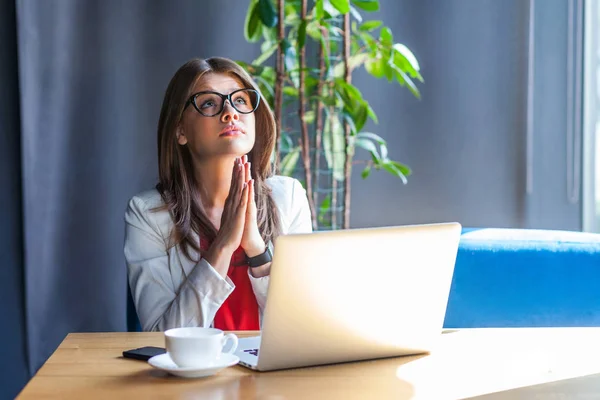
x: 357, y: 294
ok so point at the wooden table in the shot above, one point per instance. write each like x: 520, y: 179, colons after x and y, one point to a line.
x: 553, y: 363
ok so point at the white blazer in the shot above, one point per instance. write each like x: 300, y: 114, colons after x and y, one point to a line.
x: 171, y: 291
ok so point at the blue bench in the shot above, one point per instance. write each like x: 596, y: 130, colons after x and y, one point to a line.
x: 525, y: 278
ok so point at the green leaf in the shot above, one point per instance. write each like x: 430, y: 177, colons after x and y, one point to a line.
x: 367, y: 5
x: 287, y: 143
x: 360, y: 116
x: 291, y: 14
x: 405, y: 169
x: 302, y: 34
x: 267, y: 12
x: 309, y: 117
x: 313, y: 30
x: 294, y: 76
x: 353, y: 62
x: 370, y: 26
x: 329, y: 10
x: 354, y: 104
x: 366, y: 172
x: 384, y: 152
x: 407, y: 54
x: 370, y: 42
x: 404, y: 79
x: 289, y: 162
x: 270, y: 34
x: 333, y: 145
x: 266, y: 53
x: 325, y: 52
x: 394, y: 170
x: 375, y: 67
x: 319, y: 11
x: 324, y: 208
x: 404, y: 59
x: 371, y: 136
x: 252, y: 25
x: 386, y: 36
x: 389, y: 72
x: 290, y: 91
x: 343, y: 6
x: 372, y: 114
x: 368, y: 146
x: 350, y: 121
x: 348, y: 93
x: 289, y: 53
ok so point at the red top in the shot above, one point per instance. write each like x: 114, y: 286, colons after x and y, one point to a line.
x: 239, y: 312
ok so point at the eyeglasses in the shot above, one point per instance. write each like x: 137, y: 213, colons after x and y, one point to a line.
x: 209, y: 104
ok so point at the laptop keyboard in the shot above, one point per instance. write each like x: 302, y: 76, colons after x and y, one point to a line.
x: 254, y: 352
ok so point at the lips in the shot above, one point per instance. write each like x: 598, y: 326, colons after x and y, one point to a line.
x: 232, y: 130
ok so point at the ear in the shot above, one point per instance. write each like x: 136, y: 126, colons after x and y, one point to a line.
x: 181, y: 138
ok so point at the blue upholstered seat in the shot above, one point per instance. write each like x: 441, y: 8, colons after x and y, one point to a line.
x: 521, y: 277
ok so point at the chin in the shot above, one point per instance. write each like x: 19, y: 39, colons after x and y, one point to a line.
x: 238, y: 148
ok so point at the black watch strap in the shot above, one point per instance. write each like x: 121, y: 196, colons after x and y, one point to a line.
x: 261, y: 259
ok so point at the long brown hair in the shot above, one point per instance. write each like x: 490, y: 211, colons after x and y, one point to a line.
x: 177, y: 185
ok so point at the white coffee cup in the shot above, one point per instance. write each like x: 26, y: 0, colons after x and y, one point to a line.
x: 197, y: 347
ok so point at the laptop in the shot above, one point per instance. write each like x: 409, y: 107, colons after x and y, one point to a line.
x: 355, y: 294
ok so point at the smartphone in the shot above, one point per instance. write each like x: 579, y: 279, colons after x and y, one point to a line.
x: 143, y: 353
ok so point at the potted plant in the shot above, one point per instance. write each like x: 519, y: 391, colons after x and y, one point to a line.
x: 320, y: 114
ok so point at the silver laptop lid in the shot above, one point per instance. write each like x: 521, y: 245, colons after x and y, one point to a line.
x: 357, y: 294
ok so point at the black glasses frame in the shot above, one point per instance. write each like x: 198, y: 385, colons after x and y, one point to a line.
x: 224, y: 97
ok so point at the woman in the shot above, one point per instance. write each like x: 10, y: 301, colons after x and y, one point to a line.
x: 198, y: 246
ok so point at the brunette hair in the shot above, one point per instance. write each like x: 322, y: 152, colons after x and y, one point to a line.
x: 177, y: 184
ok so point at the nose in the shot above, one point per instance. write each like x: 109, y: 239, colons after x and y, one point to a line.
x: 229, y: 113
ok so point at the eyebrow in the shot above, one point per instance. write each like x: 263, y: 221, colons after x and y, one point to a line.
x: 210, y: 89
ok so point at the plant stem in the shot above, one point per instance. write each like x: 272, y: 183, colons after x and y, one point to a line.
x: 334, y: 182
x: 349, y: 153
x: 279, y: 75
x: 304, y: 128
x: 319, y: 122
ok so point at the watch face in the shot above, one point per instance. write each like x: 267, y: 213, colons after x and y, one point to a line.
x: 261, y: 259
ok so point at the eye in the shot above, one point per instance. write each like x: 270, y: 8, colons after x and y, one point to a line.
x: 240, y: 100
x: 208, y: 104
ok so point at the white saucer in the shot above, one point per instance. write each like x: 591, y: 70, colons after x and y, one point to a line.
x: 164, y: 362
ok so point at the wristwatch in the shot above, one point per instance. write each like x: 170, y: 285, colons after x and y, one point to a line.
x: 261, y: 259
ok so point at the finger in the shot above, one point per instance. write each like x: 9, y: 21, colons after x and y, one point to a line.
x: 251, y: 199
x: 234, y: 182
x: 247, y: 172
x: 234, y: 173
x: 239, y: 182
x: 245, y: 158
x: 244, y: 199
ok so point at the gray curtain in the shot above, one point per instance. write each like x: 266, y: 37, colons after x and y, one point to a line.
x: 13, y: 356
x: 82, y: 85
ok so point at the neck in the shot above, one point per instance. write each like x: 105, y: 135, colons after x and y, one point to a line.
x: 213, y: 177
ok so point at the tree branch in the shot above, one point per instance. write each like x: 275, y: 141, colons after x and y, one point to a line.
x: 304, y: 128
x: 319, y: 119
x: 279, y: 76
x: 349, y: 153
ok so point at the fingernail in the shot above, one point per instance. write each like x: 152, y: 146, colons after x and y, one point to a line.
x: 245, y: 184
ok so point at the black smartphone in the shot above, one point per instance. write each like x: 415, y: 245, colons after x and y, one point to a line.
x: 143, y: 353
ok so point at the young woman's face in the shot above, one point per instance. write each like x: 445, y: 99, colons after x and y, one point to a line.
x: 228, y: 133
